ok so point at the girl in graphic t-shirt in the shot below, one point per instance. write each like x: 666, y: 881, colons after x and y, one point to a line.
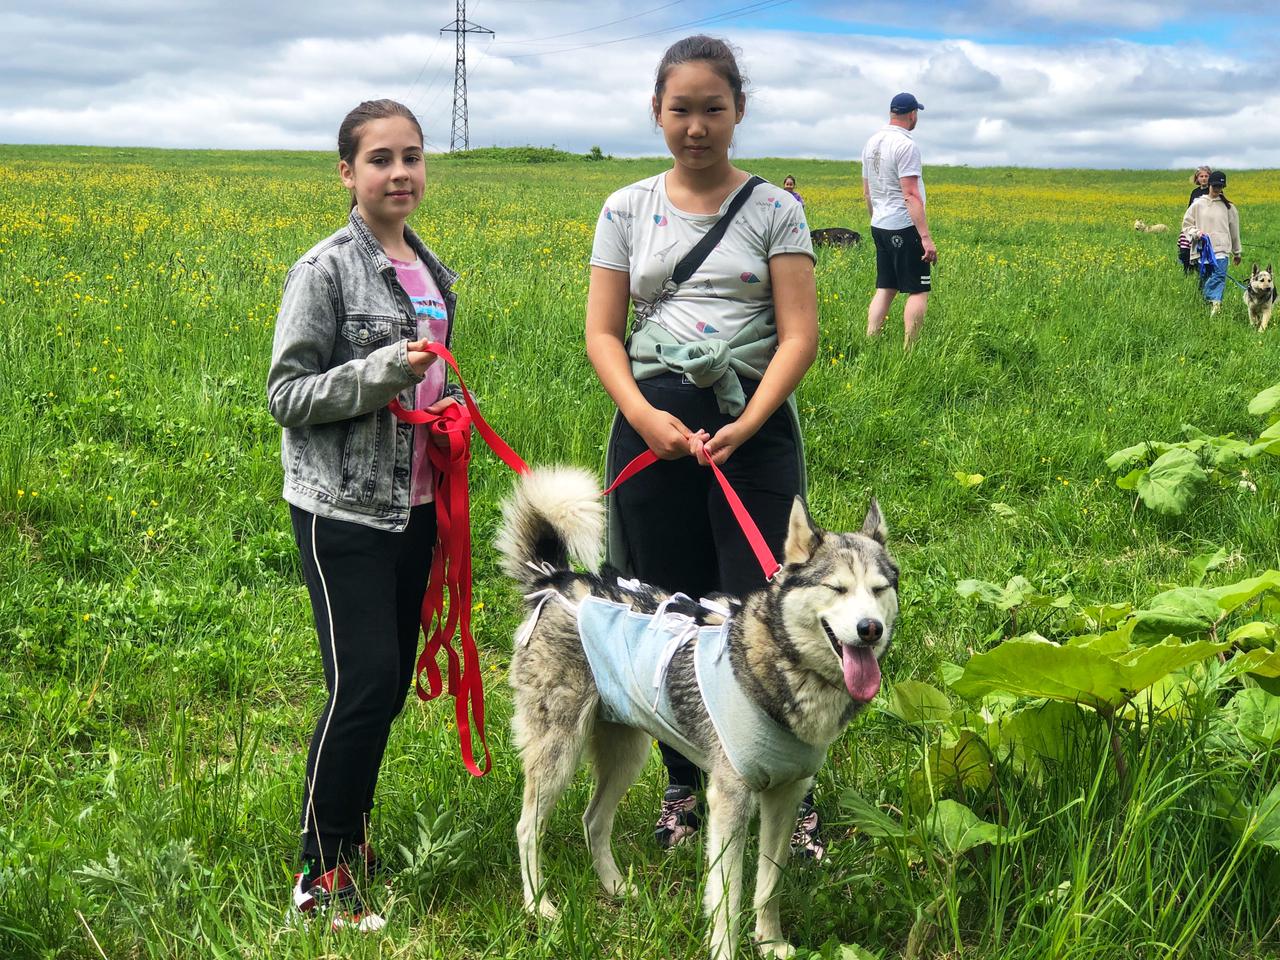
x: 670, y: 524
x: 357, y: 312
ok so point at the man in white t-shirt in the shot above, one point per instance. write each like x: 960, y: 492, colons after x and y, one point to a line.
x: 893, y: 186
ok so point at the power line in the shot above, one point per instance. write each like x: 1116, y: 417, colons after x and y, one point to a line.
x: 598, y: 26
x: 701, y: 21
x: 426, y: 63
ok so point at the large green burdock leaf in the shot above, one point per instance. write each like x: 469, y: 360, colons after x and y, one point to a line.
x: 1266, y: 401
x: 1018, y: 592
x: 1255, y: 714
x: 958, y: 829
x: 914, y: 702
x: 1260, y: 824
x: 1170, y: 483
x: 1076, y: 674
x: 1138, y: 452
x: 1190, y: 610
x: 1040, y: 732
x: 1269, y: 439
x: 1260, y: 662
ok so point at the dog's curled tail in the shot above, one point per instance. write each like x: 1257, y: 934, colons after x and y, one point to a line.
x: 553, y: 514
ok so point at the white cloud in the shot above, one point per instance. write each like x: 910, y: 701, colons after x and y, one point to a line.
x: 221, y: 75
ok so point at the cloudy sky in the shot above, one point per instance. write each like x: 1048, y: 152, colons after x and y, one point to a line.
x: 1083, y: 83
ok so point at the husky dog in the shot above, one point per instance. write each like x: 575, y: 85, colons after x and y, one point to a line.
x: 1260, y: 297
x: 792, y: 663
x: 835, y: 237
x: 1143, y: 227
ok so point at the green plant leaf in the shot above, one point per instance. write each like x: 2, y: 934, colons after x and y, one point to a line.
x: 1040, y: 732
x: 851, y: 951
x: 1128, y: 456
x: 1076, y: 674
x: 968, y: 480
x: 1254, y: 634
x: 1018, y: 592
x: 1259, y: 824
x: 1131, y: 479
x: 1170, y: 483
x: 1260, y: 663
x: 959, y: 830
x: 1205, y: 562
x: 964, y: 764
x: 1255, y: 714
x: 1269, y: 439
x: 1004, y: 511
x: 870, y: 819
x: 915, y: 702
x: 1265, y: 402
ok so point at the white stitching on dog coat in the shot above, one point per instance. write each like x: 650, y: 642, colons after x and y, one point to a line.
x: 629, y: 654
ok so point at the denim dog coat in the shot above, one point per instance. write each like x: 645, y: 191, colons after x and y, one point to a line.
x: 629, y: 654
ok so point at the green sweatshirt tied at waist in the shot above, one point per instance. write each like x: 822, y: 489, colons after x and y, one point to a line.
x: 714, y: 363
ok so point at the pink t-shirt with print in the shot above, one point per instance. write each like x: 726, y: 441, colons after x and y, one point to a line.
x: 433, y: 325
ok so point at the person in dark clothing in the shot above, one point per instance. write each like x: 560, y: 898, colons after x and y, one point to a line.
x: 1201, y: 180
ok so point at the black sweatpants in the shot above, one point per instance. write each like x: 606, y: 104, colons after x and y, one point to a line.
x: 680, y: 533
x: 366, y: 588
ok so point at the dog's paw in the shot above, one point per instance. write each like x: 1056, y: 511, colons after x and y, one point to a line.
x: 777, y: 949
x: 544, y: 909
x: 620, y: 889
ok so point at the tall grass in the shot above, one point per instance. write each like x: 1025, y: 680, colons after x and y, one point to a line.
x: 158, y: 677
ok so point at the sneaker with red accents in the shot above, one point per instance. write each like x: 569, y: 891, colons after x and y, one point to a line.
x: 335, y: 896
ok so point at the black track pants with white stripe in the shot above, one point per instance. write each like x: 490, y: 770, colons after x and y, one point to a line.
x: 366, y: 588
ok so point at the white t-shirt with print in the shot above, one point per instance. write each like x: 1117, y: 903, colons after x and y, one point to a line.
x: 889, y: 155
x: 641, y: 232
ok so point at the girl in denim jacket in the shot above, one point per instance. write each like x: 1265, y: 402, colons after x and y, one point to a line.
x: 357, y: 312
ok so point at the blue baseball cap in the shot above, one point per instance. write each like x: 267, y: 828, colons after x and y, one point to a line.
x: 905, y: 103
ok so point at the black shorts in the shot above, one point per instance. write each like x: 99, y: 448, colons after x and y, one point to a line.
x: 899, y: 260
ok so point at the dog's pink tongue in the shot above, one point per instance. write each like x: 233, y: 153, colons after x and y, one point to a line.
x: 861, y: 672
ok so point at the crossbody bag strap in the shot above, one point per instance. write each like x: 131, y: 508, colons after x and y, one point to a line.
x: 693, y: 259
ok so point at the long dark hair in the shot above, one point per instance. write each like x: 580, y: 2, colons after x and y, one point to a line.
x: 702, y: 49
x: 349, y: 130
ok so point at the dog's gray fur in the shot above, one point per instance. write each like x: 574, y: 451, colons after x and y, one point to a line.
x: 834, y: 590
x: 1260, y: 296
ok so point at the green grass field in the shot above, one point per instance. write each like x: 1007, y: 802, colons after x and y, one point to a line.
x: 158, y: 671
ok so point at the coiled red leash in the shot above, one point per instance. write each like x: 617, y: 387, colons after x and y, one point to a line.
x: 451, y: 562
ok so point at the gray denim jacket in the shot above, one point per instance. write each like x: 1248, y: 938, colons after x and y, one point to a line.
x: 338, y: 359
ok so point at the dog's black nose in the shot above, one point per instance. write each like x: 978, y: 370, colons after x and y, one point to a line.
x: 870, y: 630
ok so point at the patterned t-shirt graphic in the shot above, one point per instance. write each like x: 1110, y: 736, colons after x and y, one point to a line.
x: 433, y: 325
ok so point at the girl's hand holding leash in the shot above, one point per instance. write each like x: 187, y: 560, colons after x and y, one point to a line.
x: 720, y: 447
x: 665, y: 434
x: 417, y: 356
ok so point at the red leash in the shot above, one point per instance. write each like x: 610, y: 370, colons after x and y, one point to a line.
x: 764, y: 556
x: 451, y: 563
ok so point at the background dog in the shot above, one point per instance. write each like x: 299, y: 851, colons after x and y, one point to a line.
x: 1143, y: 227
x: 804, y: 650
x: 1260, y: 297
x: 835, y: 237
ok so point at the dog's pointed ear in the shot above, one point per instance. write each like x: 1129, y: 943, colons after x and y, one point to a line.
x: 802, y: 535
x: 874, y: 526
x: 1255, y: 269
